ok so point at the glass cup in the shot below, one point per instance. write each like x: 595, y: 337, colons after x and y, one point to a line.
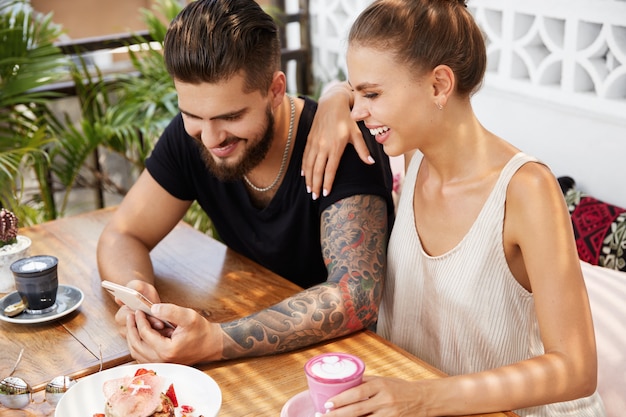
x: 36, y: 282
x: 329, y: 374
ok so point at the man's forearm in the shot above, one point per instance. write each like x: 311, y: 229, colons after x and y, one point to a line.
x: 122, y: 259
x: 354, y: 248
x: 310, y: 317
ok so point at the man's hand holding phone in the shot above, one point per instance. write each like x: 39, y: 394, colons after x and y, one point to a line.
x: 134, y: 300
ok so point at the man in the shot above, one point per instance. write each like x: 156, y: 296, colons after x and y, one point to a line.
x: 236, y: 147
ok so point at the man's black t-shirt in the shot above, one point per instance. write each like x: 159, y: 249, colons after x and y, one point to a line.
x: 284, y: 236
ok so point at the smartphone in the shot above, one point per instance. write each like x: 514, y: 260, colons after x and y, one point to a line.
x: 131, y: 298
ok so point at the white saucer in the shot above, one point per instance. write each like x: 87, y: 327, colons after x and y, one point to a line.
x: 300, y: 405
x: 69, y: 298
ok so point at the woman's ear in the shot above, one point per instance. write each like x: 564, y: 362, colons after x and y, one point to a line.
x: 278, y: 88
x: 443, y: 85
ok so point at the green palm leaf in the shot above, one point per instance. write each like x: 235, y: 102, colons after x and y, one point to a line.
x: 28, y: 61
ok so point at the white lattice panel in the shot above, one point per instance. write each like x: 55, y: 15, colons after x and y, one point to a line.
x: 569, y: 52
x: 330, y: 22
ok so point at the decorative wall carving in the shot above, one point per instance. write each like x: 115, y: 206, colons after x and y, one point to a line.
x: 571, y: 53
x: 330, y: 22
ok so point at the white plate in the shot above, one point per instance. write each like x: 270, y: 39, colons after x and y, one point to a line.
x: 69, y: 298
x: 192, y: 386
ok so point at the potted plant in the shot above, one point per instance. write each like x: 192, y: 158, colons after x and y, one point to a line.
x: 12, y: 248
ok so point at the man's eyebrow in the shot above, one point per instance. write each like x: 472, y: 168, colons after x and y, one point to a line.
x: 186, y: 113
x: 228, y: 115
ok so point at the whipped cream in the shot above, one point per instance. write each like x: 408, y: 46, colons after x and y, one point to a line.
x: 335, y: 366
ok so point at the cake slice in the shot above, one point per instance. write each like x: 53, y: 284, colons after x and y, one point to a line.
x: 140, y: 395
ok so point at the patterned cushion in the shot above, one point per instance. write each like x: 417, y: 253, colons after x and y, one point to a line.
x: 599, y: 228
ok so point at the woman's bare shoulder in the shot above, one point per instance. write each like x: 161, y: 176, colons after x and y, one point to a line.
x: 533, y: 179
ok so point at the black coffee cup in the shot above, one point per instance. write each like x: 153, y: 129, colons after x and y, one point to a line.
x: 36, y: 282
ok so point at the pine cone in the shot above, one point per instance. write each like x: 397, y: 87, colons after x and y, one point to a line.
x: 8, y: 227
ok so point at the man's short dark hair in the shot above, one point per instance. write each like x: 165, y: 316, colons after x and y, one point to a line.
x: 213, y: 40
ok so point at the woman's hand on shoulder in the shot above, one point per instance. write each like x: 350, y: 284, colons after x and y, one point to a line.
x: 332, y: 129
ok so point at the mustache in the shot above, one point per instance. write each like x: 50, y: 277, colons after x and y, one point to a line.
x: 229, y: 141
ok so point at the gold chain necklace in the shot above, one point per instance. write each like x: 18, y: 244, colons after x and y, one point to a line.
x: 285, y: 154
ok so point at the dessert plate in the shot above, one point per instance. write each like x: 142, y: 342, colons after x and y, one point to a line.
x: 69, y: 298
x: 193, y: 388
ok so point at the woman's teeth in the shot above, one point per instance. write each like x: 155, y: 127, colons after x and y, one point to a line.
x: 379, y: 130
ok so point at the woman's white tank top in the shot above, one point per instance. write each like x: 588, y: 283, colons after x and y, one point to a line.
x: 463, y: 311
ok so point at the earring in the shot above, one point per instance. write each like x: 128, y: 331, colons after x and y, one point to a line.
x: 439, y: 106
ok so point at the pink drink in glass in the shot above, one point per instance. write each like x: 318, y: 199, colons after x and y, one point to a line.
x: 331, y: 373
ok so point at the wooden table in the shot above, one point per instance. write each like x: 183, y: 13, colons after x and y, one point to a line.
x: 192, y: 270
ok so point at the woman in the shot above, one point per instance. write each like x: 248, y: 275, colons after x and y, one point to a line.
x: 483, y: 280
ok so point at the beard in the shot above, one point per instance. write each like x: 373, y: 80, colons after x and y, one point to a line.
x: 252, y: 156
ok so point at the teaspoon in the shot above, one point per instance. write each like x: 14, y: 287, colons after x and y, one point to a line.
x: 13, y: 310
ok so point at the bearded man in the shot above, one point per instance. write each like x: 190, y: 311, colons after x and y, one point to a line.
x: 236, y: 147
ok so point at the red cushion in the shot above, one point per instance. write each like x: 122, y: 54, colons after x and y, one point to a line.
x: 600, y: 231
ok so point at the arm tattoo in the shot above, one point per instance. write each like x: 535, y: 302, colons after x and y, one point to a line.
x: 354, y: 244
x: 355, y: 252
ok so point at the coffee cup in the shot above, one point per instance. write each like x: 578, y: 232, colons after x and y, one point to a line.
x: 329, y: 374
x: 36, y: 282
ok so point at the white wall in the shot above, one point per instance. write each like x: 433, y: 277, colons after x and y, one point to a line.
x: 574, y: 142
x: 556, y: 86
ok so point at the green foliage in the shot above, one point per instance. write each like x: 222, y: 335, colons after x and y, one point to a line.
x: 28, y: 58
x: 28, y: 61
x: 145, y: 103
x: 198, y: 219
x: 124, y: 115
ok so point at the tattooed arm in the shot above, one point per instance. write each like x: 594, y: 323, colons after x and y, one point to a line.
x: 354, y: 244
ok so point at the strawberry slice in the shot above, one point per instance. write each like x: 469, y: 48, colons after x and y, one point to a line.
x: 171, y: 394
x: 143, y: 371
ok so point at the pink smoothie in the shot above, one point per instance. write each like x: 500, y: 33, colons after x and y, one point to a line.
x: 331, y: 373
